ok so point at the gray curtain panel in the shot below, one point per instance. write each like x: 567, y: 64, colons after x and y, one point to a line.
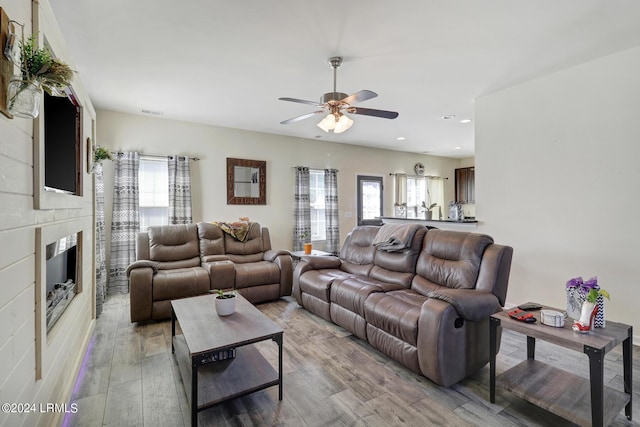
x: 332, y: 216
x: 302, y: 208
x: 101, y: 267
x: 179, y: 190
x: 126, y: 220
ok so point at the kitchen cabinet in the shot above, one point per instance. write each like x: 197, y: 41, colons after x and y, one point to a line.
x: 465, y: 185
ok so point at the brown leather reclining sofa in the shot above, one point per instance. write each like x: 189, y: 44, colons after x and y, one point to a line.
x: 425, y: 303
x: 179, y: 261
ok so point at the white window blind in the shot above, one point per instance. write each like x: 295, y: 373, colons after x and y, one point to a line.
x: 153, y: 177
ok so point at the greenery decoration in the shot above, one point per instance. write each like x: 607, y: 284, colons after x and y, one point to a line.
x: 37, y: 66
x: 101, y: 154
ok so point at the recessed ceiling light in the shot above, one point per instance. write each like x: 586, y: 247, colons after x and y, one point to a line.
x: 449, y: 117
x: 458, y: 148
x: 465, y: 121
x: 400, y: 138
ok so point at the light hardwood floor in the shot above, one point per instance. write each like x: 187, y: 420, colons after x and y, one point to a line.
x: 129, y: 378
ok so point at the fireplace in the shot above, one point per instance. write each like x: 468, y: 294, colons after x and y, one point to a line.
x: 63, y: 269
x: 61, y: 265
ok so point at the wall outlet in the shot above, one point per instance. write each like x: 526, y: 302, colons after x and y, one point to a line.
x: 348, y: 214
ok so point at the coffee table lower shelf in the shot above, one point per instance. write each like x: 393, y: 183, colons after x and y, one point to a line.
x: 248, y: 372
x: 559, y: 392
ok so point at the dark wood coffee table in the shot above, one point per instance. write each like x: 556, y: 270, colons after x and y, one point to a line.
x: 586, y: 402
x: 207, y: 337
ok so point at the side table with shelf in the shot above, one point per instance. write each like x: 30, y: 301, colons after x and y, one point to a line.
x: 560, y: 392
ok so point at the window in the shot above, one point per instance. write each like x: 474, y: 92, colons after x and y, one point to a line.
x: 369, y: 200
x: 153, y: 177
x: 416, y: 194
x: 411, y: 191
x: 316, y: 200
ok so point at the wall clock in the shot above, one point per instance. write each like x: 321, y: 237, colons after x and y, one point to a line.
x: 419, y: 168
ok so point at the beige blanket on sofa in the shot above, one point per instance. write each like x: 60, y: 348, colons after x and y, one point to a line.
x: 239, y: 230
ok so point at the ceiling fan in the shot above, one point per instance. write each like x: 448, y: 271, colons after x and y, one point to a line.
x: 337, y: 104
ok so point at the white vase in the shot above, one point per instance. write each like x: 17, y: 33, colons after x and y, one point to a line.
x: 225, y: 306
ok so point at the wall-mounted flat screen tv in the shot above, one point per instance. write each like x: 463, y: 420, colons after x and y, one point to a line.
x: 62, y: 148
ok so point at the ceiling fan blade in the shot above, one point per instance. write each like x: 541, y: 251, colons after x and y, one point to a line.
x: 302, y: 117
x: 360, y: 96
x: 371, y: 112
x: 301, y: 101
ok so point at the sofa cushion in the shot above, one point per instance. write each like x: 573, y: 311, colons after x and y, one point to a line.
x: 180, y: 283
x: 351, y: 292
x: 183, y: 263
x: 395, y: 312
x: 318, y: 282
x: 249, y: 251
x: 358, y: 245
x: 452, y: 258
x: 211, y: 239
x: 173, y: 243
x: 256, y: 273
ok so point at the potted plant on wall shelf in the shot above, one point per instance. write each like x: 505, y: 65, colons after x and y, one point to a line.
x: 38, y: 71
x: 225, y: 303
x: 427, y: 210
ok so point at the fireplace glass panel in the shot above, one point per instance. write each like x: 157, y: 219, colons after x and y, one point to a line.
x: 61, y: 276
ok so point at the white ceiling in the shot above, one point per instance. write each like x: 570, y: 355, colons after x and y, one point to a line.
x: 226, y: 63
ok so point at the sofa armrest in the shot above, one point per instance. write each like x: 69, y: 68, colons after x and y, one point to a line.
x: 285, y: 264
x: 471, y: 304
x: 272, y: 254
x: 213, y: 258
x: 142, y: 264
x: 140, y: 292
x: 222, y: 274
x: 317, y: 262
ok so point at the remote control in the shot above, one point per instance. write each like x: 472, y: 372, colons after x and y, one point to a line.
x: 530, y: 306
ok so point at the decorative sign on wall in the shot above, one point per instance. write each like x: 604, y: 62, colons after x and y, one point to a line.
x: 6, y: 66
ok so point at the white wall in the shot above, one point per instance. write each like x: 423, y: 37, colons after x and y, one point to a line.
x: 64, y: 346
x: 213, y: 145
x: 557, y: 170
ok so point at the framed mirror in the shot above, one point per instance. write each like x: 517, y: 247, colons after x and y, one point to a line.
x: 246, y: 182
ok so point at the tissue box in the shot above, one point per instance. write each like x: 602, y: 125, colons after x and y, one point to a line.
x: 552, y: 318
x: 575, y: 297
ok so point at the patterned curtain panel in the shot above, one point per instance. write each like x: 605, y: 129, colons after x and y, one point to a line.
x: 332, y: 217
x: 101, y: 267
x: 126, y: 221
x: 179, y: 190
x: 302, y: 208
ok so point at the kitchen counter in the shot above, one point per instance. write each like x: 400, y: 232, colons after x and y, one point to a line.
x: 445, y: 224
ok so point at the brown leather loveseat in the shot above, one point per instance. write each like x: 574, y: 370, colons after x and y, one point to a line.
x: 422, y: 297
x: 179, y: 261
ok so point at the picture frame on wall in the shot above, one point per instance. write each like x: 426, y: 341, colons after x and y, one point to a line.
x: 90, y: 154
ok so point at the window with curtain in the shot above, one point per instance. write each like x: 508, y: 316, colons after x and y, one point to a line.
x: 416, y: 194
x: 317, y: 205
x: 153, y: 176
x: 411, y: 191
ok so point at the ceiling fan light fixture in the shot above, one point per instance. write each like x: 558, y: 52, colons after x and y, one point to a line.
x: 343, y: 124
x: 328, y: 123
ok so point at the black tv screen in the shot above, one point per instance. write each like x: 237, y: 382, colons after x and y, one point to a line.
x: 61, y: 144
